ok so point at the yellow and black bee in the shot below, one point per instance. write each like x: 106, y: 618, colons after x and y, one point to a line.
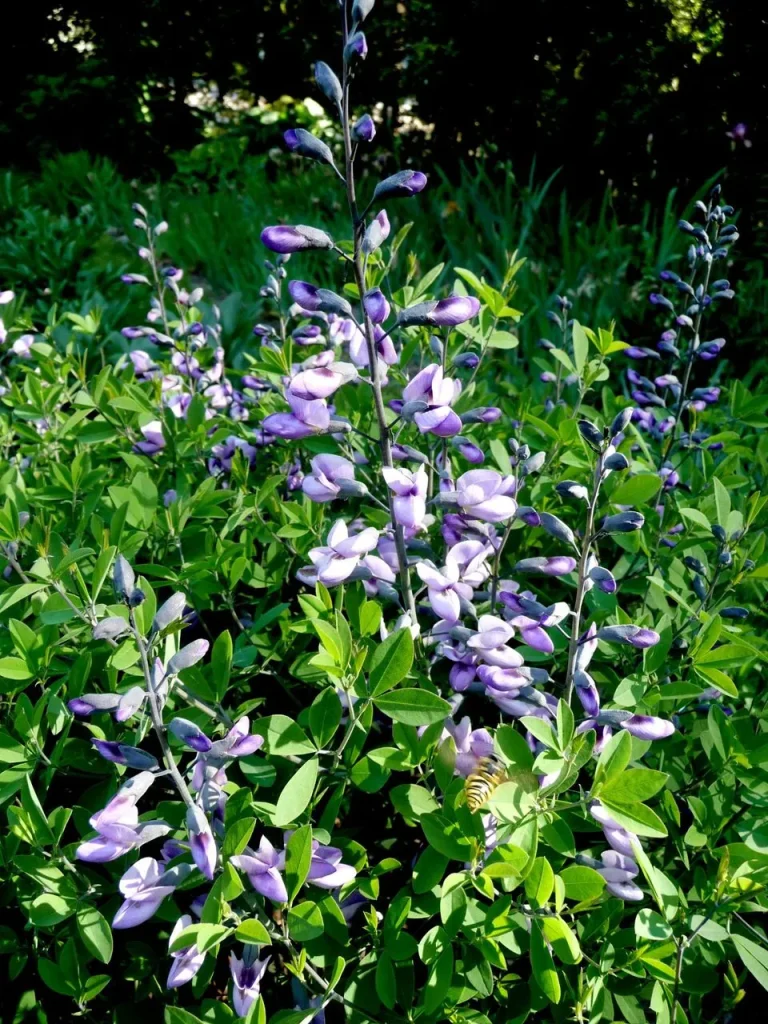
x: 489, y: 772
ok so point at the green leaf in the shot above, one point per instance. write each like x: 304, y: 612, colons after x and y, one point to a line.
x: 13, y: 595
x: 722, y: 502
x: 413, y: 707
x: 283, y: 736
x: 391, y: 662
x: 15, y: 670
x: 753, y: 956
x: 446, y: 837
x: 31, y: 804
x: 331, y: 641
x: 637, y: 490
x: 562, y: 939
x: 305, y: 922
x: 298, y: 856
x: 651, y: 926
x: 635, y: 785
x: 540, y: 882
x: 500, y: 454
x: 386, y: 982
x: 540, y: 729
x: 237, y: 836
x: 324, y: 716
x: 253, y: 933
x: 615, y: 757
x: 296, y: 794
x: 512, y: 745
x: 582, y: 883
x: 693, y: 515
x: 580, y: 354
x: 503, y: 340
x: 439, y: 980
x: 636, y: 818
x: 221, y: 663
x: 95, y: 932
x: 175, y: 1015
x: 718, y: 679
x: 543, y: 966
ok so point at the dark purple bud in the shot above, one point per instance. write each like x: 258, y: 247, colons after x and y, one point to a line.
x: 376, y: 306
x: 484, y: 414
x: 90, y: 702
x: 300, y: 141
x: 400, y: 185
x: 528, y: 515
x: 734, y: 613
x: 623, y: 522
x: 356, y: 47
x: 656, y: 299
x: 443, y: 313
x: 572, y: 489
x: 603, y: 579
x: 262, y: 331
x: 328, y: 82
x: 621, y: 421
x: 190, y: 734
x: 320, y: 300
x: 591, y: 434
x: 137, y: 597
x: 617, y: 461
x: 121, y: 753
x: 364, y: 130
x: 466, y: 360
x: 284, y: 238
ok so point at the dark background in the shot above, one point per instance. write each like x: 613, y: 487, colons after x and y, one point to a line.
x: 639, y: 94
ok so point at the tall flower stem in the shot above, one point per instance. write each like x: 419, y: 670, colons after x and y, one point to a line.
x: 578, y: 603
x: 358, y: 225
x: 157, y: 718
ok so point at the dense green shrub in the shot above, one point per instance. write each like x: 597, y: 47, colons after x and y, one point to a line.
x: 258, y: 616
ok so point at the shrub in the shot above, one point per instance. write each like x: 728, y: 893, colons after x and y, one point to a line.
x: 356, y: 683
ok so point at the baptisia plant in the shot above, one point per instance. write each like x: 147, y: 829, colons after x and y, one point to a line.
x: 393, y: 704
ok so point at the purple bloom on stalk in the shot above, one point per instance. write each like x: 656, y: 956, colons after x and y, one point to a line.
x: 144, y: 887
x: 321, y: 379
x: 376, y: 233
x: 646, y: 727
x: 286, y: 239
x: 634, y: 636
x: 338, y: 559
x: 410, y: 494
x: 364, y: 130
x: 187, y: 961
x: 322, y: 484
x: 439, y: 393
x: 376, y: 306
x: 400, y: 185
x: 533, y: 629
x: 326, y: 869
x: 485, y: 494
x: 557, y: 565
x: 450, y: 312
x: 246, y: 977
x: 306, y: 418
x: 153, y: 442
x: 265, y: 870
x: 201, y: 842
x: 471, y: 744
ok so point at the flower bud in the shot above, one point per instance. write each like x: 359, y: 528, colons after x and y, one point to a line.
x: 190, y: 734
x: 168, y: 612
x: 621, y: 421
x: 591, y: 434
x: 699, y: 588
x: 187, y: 656
x: 121, y: 753
x: 136, y: 598
x: 634, y: 636
x: 734, y: 613
x: 360, y: 10
x: 401, y: 185
x: 110, y: 628
x: 320, y: 300
x: 352, y: 489
x: 528, y: 515
x: 603, y: 579
x: 466, y: 360
x: 557, y: 528
x: 533, y: 463
x: 328, y: 82
x: 123, y: 578
x: 364, y: 130
x: 572, y: 489
x: 300, y: 141
x: 376, y: 306
x: 357, y: 46
x: 695, y: 564
x: 441, y: 313
x: 376, y: 233
x: 623, y: 522
x: 284, y: 238
x: 616, y: 461
x: 484, y: 414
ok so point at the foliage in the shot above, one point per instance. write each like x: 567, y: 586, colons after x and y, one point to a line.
x: 259, y: 612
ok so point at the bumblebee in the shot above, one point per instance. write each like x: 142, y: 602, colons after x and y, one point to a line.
x: 489, y: 773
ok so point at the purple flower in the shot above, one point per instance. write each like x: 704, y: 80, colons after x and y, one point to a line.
x: 322, y: 484
x: 557, y: 565
x: 306, y: 418
x: 400, y: 185
x: 246, y: 977
x: 465, y: 567
x: 285, y: 239
x: 364, y: 130
x: 308, y: 334
x: 321, y: 379
x: 431, y: 387
x: 468, y: 450
x: 356, y: 47
x: 222, y: 454
x: 376, y: 306
x: 190, y: 734
x: 187, y: 961
x: 144, y: 887
x: 153, y: 442
x: 440, y: 313
x: 326, y: 869
x: 533, y: 628
x: 338, y: 559
x: 485, y: 494
x: 587, y: 692
x: 739, y: 134
x: 471, y: 744
x: 300, y: 141
x: 118, y: 826
x: 646, y: 727
x: 489, y: 643
x: 121, y: 753
x: 264, y: 869
x: 410, y: 494
x: 201, y: 842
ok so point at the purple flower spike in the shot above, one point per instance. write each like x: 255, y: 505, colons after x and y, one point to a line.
x: 286, y: 239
